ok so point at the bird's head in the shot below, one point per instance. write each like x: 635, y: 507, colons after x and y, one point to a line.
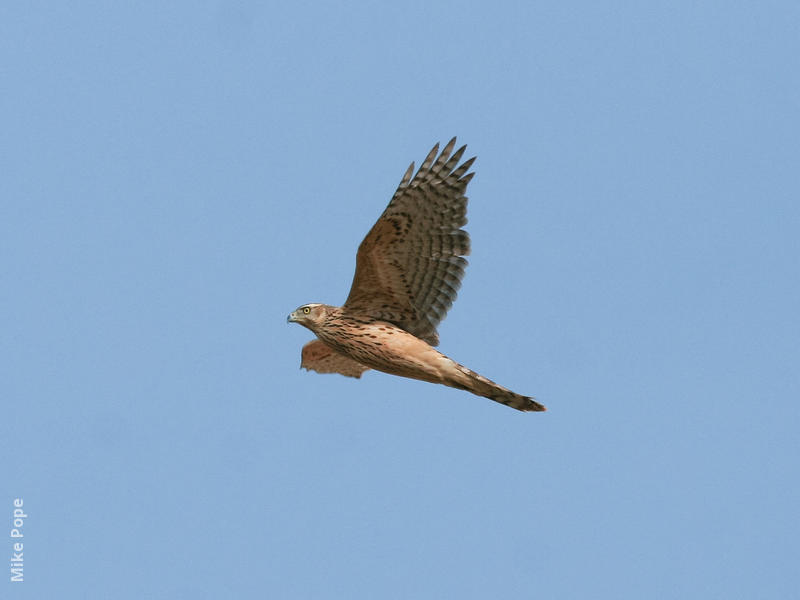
x: 308, y: 315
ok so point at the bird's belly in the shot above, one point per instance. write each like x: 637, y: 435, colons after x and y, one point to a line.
x: 388, y: 348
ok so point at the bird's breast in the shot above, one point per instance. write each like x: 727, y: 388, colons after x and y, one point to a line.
x: 385, y: 347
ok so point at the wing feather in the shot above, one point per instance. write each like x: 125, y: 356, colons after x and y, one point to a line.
x: 318, y: 356
x: 410, y: 265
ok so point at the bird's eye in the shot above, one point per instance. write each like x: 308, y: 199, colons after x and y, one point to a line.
x: 306, y: 310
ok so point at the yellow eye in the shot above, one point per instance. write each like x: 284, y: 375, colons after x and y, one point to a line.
x: 306, y: 310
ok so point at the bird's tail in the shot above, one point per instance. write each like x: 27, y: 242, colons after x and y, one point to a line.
x: 467, y: 379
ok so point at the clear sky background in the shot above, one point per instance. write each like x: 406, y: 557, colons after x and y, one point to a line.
x: 175, y: 178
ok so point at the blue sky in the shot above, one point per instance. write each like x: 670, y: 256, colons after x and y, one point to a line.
x: 177, y: 177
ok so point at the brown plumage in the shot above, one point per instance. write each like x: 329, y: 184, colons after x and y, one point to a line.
x: 408, y: 271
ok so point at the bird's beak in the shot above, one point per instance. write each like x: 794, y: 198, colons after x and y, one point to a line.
x: 291, y: 318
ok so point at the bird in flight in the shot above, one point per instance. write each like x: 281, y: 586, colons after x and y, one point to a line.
x: 408, y: 271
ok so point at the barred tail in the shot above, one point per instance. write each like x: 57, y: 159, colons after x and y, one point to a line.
x: 467, y: 379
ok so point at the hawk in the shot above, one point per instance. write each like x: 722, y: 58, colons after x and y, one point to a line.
x: 408, y: 272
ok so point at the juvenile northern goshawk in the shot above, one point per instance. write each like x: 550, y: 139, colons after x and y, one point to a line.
x: 408, y: 271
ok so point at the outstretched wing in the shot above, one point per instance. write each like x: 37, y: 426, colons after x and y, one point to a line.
x: 320, y: 357
x: 410, y: 265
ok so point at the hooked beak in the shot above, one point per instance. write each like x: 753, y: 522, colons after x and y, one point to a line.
x: 292, y: 318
